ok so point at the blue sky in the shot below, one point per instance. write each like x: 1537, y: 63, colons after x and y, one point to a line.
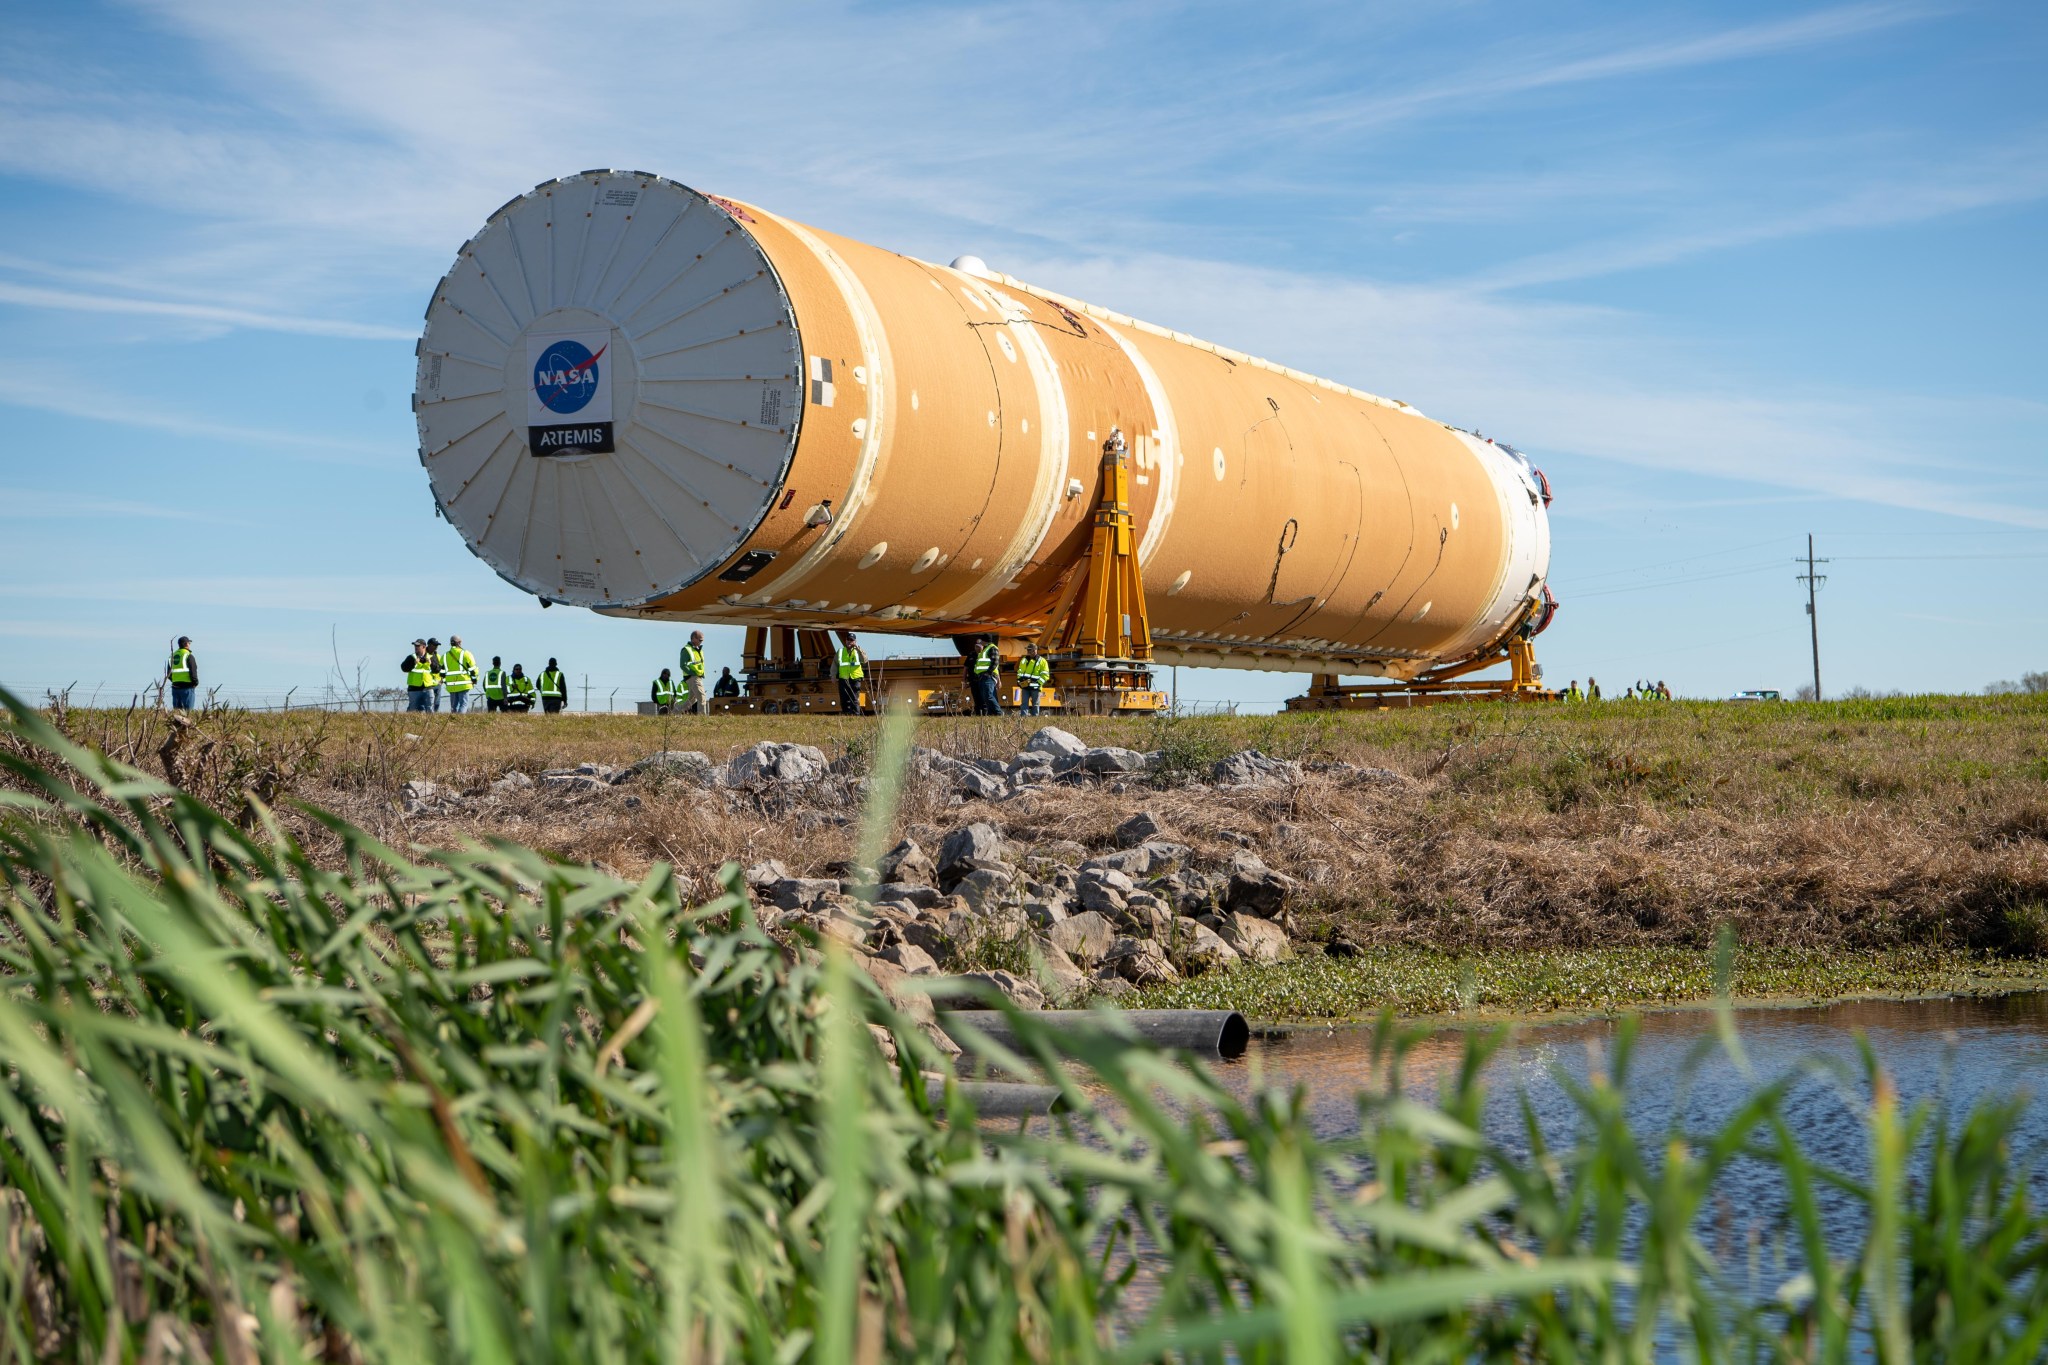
x: 1729, y: 272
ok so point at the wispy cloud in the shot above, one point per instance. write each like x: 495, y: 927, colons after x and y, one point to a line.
x: 72, y: 399
x: 43, y: 504
x: 1503, y: 80
x: 2016, y: 174
x: 69, y: 300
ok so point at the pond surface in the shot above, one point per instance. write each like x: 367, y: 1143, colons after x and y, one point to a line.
x: 1958, y: 1049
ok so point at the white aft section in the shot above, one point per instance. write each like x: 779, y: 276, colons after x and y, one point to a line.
x: 609, y: 388
x: 1525, y: 535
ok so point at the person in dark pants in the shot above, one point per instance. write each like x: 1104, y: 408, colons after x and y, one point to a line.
x: 985, y: 674
x: 663, y: 694
x: 853, y: 672
x: 494, y: 685
x: 519, y: 691
x: 182, y: 672
x: 554, y: 688
x: 420, y: 677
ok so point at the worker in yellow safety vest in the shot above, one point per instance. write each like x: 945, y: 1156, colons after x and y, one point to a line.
x: 696, y: 703
x: 554, y: 688
x: 182, y: 673
x: 458, y: 668
x: 1033, y: 673
x: 986, y: 677
x: 853, y: 671
x: 494, y: 685
x: 1574, y: 693
x: 519, y: 691
x: 420, y: 677
x: 663, y: 694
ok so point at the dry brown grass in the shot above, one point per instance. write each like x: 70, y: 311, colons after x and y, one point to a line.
x: 1842, y: 825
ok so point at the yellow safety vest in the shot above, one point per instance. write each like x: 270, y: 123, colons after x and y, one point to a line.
x: 664, y: 691
x: 494, y: 683
x: 181, y: 666
x: 988, y: 659
x: 693, y: 662
x: 849, y: 662
x: 461, y: 669
x: 551, y: 683
x: 522, y: 686
x: 1033, y: 671
x: 421, y: 674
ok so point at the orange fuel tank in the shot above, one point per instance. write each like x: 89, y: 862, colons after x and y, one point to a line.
x: 654, y: 402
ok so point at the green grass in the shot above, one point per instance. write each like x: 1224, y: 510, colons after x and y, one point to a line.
x: 478, y: 1105
x: 1419, y: 982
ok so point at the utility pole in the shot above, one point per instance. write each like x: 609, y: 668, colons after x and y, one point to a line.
x: 586, y: 684
x: 1813, y: 580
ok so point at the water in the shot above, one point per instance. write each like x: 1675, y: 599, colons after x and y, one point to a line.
x: 1958, y: 1049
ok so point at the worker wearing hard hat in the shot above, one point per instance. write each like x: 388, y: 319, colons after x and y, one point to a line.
x: 853, y: 671
x: 458, y: 669
x: 494, y: 685
x: 182, y: 673
x: 663, y: 694
x: 692, y: 661
x: 420, y: 677
x: 1033, y: 673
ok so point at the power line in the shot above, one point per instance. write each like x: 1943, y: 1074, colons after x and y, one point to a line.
x: 1675, y: 582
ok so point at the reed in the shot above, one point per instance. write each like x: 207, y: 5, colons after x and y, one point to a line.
x: 481, y: 1105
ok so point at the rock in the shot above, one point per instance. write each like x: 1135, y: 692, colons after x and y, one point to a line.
x: 1044, y: 913
x: 573, y: 784
x: 688, y: 765
x: 1138, y: 829
x: 1255, y: 888
x: 1147, y: 918
x: 795, y: 893
x: 932, y: 938
x: 1130, y: 862
x: 1029, y: 762
x: 1062, y: 978
x: 967, y: 848
x: 1056, y: 742
x: 849, y: 928
x: 600, y: 771
x: 1110, y: 759
x: 1200, y: 946
x: 1112, y: 986
x: 923, y: 897
x: 766, y: 872
x: 1103, y: 898
x: 1139, y: 961
x: 1064, y: 851
x: 892, y: 978
x: 1025, y: 995
x: 907, y: 863
x: 1255, y: 939
x: 769, y: 761
x: 1084, y: 937
x: 1250, y: 768
x: 976, y: 783
x: 511, y: 783
x: 994, y: 767
x: 910, y: 958
x: 985, y: 889
x: 420, y: 796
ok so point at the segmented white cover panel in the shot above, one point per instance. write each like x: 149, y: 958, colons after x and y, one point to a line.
x: 614, y: 296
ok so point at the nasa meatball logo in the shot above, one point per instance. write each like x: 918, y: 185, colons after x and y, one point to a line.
x: 569, y: 401
x: 565, y: 377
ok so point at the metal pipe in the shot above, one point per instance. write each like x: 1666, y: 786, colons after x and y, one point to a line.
x: 1000, y: 1099
x: 1206, y: 1033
